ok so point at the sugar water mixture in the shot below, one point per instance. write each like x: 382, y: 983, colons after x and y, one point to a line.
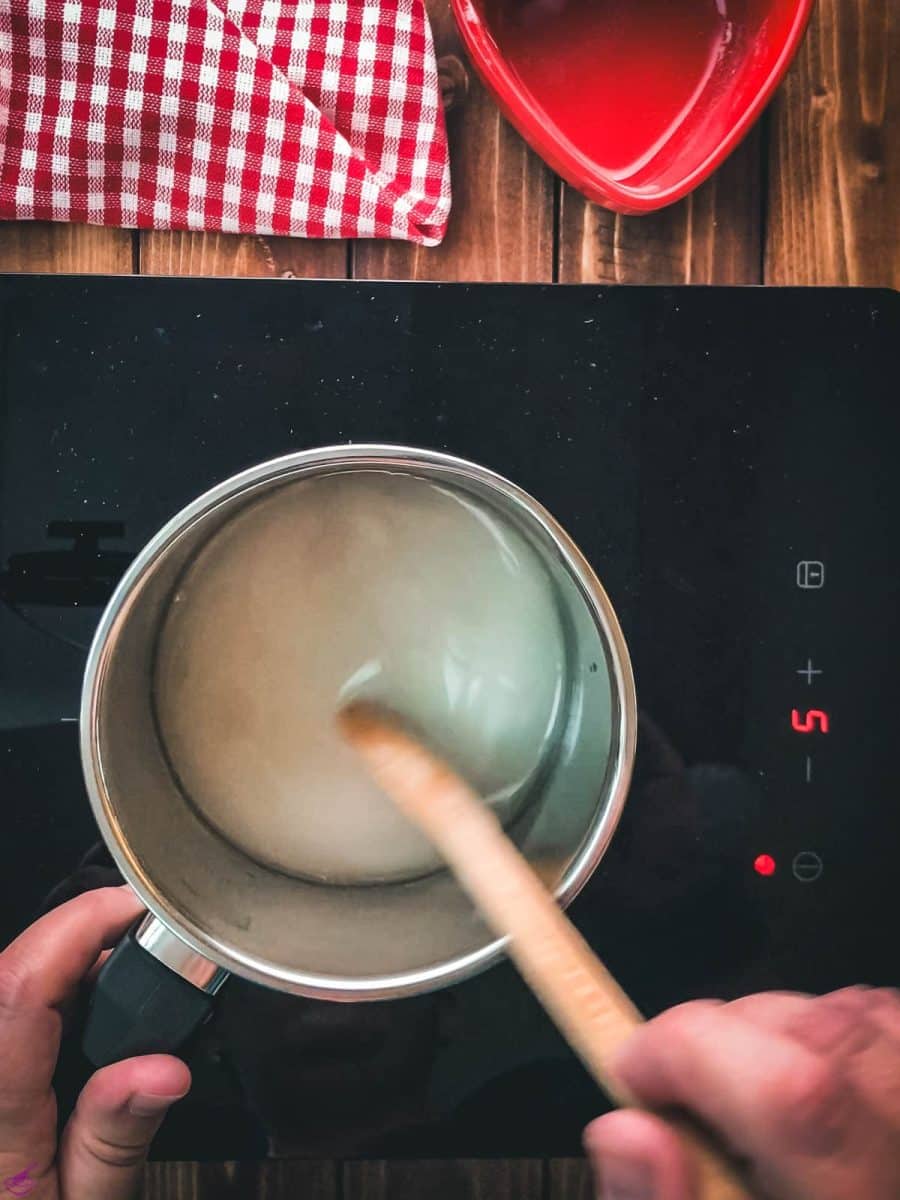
x: 365, y: 583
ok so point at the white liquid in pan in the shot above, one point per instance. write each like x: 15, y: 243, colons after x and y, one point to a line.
x: 357, y: 584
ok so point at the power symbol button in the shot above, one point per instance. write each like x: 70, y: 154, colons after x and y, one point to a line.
x: 807, y: 866
x: 810, y: 574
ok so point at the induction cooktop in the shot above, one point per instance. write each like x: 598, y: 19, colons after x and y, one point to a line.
x: 727, y: 461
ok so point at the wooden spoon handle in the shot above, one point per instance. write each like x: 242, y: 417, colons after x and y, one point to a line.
x: 581, y: 996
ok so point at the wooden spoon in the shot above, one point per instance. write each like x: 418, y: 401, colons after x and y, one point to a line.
x: 579, y: 994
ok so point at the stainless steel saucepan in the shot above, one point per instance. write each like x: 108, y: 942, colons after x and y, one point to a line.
x: 213, y: 909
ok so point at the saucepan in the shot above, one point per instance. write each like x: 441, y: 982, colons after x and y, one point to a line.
x: 215, y: 909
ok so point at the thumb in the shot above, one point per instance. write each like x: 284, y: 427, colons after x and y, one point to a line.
x: 105, y: 1143
x: 636, y: 1156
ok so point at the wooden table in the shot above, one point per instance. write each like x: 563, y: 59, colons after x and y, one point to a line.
x: 812, y: 197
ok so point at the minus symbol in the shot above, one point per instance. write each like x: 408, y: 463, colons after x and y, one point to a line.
x: 64, y: 719
x: 808, y: 769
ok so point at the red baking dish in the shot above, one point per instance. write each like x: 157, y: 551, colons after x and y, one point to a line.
x: 634, y: 102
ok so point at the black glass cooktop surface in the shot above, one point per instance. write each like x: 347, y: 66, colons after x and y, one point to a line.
x: 725, y: 459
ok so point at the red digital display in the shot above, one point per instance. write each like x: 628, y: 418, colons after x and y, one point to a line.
x: 813, y: 720
x: 764, y: 864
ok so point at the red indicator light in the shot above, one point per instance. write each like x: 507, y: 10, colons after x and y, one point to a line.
x: 811, y: 720
x: 764, y: 864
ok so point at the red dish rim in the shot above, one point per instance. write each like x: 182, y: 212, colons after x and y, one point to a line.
x: 564, y: 156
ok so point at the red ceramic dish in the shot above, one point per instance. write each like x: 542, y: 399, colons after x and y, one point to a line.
x: 634, y: 102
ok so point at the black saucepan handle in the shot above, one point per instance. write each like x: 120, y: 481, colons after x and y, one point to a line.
x: 141, y: 1006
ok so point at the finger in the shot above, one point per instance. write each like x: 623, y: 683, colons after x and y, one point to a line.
x: 50, y: 958
x: 872, y: 1050
x: 35, y: 971
x: 885, y: 1011
x: 637, y: 1156
x: 832, y: 1024
x: 91, y: 978
x: 858, y: 1026
x: 760, y: 1088
x: 69, y: 1008
x: 105, y: 1143
x: 823, y: 1022
x: 769, y: 1009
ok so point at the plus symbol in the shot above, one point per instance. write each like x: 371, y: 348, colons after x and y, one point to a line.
x: 809, y: 671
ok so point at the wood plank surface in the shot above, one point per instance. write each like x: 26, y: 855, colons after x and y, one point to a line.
x: 501, y: 223
x: 712, y: 236
x: 88, y: 249
x: 287, y: 1179
x: 271, y: 1180
x: 832, y: 203
x: 476, y: 1179
x: 167, y: 252
x: 834, y: 171
x: 570, y: 1179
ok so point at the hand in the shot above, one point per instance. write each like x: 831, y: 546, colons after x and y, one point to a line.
x: 805, y: 1089
x: 104, y: 1145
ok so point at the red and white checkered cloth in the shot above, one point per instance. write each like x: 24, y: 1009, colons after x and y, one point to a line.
x: 314, y: 118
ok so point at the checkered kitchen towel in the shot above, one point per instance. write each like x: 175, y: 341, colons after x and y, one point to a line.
x: 315, y: 118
